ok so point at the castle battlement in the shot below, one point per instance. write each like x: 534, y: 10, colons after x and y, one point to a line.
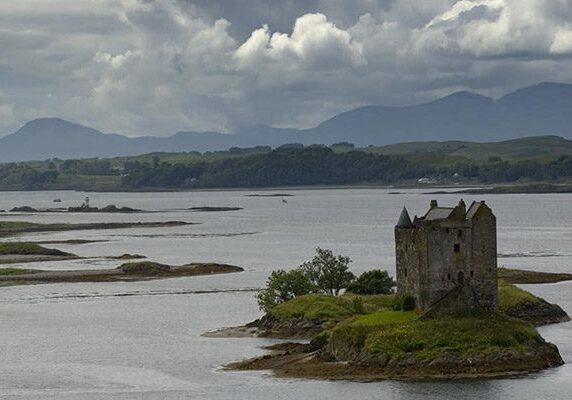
x: 448, y: 248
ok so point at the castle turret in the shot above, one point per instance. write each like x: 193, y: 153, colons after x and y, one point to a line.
x: 404, y: 220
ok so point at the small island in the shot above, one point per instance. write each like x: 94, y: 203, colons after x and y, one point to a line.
x: 468, y: 321
x: 23, y: 252
x: 112, y: 208
x: 12, y: 228
x: 128, y: 272
x: 214, y: 209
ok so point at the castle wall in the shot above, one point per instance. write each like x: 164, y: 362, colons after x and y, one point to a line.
x: 410, y: 249
x: 447, y: 266
x: 484, y: 256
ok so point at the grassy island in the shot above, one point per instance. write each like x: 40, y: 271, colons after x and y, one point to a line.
x: 362, y: 337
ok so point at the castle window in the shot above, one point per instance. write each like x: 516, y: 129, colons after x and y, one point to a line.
x: 457, y: 247
x: 448, y: 230
x: 460, y: 233
x: 472, y: 274
x: 448, y: 277
x: 405, y: 272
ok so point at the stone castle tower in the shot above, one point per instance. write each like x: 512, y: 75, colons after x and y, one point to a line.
x: 448, y: 249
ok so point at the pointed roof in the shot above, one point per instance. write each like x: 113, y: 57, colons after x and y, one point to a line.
x: 404, y: 220
x: 474, y: 208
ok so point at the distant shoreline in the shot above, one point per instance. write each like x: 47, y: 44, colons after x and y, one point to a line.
x: 502, y: 188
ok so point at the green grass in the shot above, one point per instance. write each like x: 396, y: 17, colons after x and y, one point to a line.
x: 510, y: 296
x: 15, y: 271
x: 335, y: 309
x: 470, y: 335
x: 21, y: 248
x: 396, y: 334
x: 384, y: 317
x: 330, y: 308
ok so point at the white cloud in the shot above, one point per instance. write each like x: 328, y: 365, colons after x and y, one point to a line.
x: 315, y: 43
x: 562, y: 43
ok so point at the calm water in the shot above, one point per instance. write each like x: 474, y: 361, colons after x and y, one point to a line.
x: 142, y: 340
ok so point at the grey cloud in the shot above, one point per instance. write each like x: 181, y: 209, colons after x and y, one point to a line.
x: 158, y: 66
x: 280, y: 16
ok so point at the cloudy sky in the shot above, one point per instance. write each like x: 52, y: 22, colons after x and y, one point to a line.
x: 143, y: 67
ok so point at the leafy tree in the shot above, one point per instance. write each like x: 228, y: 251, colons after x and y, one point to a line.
x: 372, y: 282
x: 327, y: 272
x: 282, y: 286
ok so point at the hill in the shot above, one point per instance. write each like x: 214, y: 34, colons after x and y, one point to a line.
x: 537, y: 147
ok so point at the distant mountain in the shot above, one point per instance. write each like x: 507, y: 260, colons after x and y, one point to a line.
x: 45, y: 138
x: 544, y: 109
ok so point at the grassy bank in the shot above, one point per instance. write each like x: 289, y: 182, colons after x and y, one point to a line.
x: 520, y: 276
x: 329, y: 308
x: 31, y: 249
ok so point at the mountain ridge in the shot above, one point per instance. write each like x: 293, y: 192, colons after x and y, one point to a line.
x: 538, y: 110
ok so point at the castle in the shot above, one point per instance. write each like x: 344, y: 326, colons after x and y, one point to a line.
x: 449, y: 249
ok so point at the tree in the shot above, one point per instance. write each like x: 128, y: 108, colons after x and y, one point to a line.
x: 282, y: 286
x: 372, y: 282
x: 327, y: 272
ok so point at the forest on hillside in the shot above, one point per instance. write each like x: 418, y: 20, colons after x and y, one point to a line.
x: 285, y: 166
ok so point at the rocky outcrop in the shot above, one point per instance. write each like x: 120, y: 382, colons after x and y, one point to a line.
x: 270, y: 326
x: 538, y: 313
x: 305, y: 361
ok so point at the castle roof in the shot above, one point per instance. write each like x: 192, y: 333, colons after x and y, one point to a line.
x: 438, y: 213
x: 404, y: 219
x: 474, y: 208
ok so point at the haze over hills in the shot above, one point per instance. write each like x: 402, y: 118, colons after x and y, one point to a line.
x: 543, y: 109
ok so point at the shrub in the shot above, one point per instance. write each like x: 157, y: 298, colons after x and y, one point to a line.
x: 403, y: 303
x: 372, y: 282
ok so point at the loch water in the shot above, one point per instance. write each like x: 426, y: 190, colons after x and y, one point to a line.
x: 142, y: 340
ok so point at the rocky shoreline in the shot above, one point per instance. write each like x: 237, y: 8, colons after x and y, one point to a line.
x: 295, y: 360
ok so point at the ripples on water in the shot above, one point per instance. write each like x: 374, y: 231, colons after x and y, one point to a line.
x: 141, y: 340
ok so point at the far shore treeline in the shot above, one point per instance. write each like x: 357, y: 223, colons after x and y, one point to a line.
x: 288, y: 165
